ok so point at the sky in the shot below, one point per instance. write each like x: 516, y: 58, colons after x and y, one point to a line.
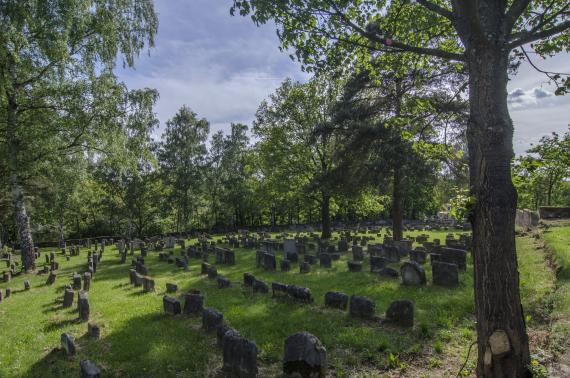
x: 222, y: 67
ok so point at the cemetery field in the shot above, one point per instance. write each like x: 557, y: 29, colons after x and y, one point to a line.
x: 139, y: 340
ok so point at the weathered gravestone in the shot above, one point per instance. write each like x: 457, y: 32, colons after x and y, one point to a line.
x: 401, y: 313
x: 419, y: 257
x: 325, y: 260
x: 413, y: 274
x: 377, y: 263
x: 171, y: 305
x: 221, y: 331
x: 239, y: 356
x: 68, y: 343
x: 278, y: 288
x: 223, y: 282
x: 171, y: 288
x: 27, y: 285
x: 83, y: 306
x: 89, y: 369
x: 8, y: 292
x: 335, y: 299
x: 304, y: 356
x: 68, y: 296
x: 93, y: 330
x: 260, y: 286
x: 212, y: 272
x: 361, y: 307
x: 86, y: 281
x: 444, y: 274
x: 357, y: 253
x: 290, y: 250
x: 285, y: 265
x: 148, y: 284
x: 269, y: 262
x: 298, y: 293
x: 354, y: 266
x: 304, y: 267
x: 248, y: 279
x: 211, y: 319
x: 193, y: 302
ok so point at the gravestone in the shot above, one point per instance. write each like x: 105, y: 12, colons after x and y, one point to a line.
x: 205, y: 268
x: 83, y: 306
x: 223, y: 282
x: 401, y: 313
x: 335, y: 299
x: 93, y: 330
x: 325, y: 260
x: 413, y: 274
x: 311, y: 259
x: 171, y: 288
x: 269, y: 262
x: 259, y: 258
x: 357, y: 253
x: 76, y: 282
x: 211, y: 319
x: 86, y: 281
x: 354, y: 266
x: 419, y: 257
x: 68, y: 296
x: 68, y: 343
x: 139, y: 278
x: 361, y: 307
x: 89, y: 369
x: 298, y: 293
x: 285, y: 265
x: 171, y: 305
x: 454, y: 256
x: 290, y: 250
x: 212, y: 272
x: 148, y: 284
x: 8, y: 292
x: 304, y: 356
x: 278, y: 288
x: 26, y: 285
x: 260, y: 286
x: 193, y: 303
x: 248, y: 279
x: 444, y: 274
x: 221, y: 331
x: 377, y: 263
x: 7, y: 276
x: 239, y: 356
x: 304, y: 267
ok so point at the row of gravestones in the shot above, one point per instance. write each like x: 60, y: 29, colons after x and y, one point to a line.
x: 304, y: 354
x: 88, y: 368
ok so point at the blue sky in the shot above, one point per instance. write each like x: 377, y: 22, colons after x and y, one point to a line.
x: 223, y: 67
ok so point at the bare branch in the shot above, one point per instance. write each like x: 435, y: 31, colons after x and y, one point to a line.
x: 514, y: 12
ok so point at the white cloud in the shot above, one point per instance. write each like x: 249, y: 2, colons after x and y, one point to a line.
x: 520, y: 98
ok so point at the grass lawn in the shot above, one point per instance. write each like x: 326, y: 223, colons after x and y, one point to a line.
x: 138, y: 340
x: 557, y: 238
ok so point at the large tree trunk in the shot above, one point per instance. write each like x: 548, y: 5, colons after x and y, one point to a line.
x: 397, y: 208
x: 23, y: 222
x: 501, y: 331
x: 325, y: 216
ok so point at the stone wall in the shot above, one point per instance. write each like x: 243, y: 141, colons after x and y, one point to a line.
x: 526, y: 219
x: 553, y: 212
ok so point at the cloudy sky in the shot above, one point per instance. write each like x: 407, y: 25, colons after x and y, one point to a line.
x: 223, y: 67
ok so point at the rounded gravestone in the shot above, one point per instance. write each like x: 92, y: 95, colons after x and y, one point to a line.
x: 401, y: 313
x: 304, y: 355
x: 413, y: 274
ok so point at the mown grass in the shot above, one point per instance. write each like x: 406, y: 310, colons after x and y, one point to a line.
x: 557, y: 239
x: 138, y: 340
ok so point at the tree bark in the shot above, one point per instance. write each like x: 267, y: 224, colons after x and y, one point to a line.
x: 497, y: 299
x: 23, y: 222
x: 397, y: 208
x: 325, y: 216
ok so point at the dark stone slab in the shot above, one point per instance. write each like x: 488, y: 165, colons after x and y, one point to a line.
x: 171, y: 288
x: 171, y: 305
x: 361, y: 307
x: 248, y: 279
x: 285, y: 265
x: 326, y: 260
x: 83, y: 306
x: 68, y: 344
x: 354, y: 266
x: 68, y: 296
x: 260, y: 286
x: 211, y: 319
x: 304, y: 356
x: 298, y: 293
x: 444, y: 274
x: 223, y: 282
x: 412, y: 274
x: 193, y: 303
x: 278, y: 288
x: 239, y: 356
x: 335, y: 299
x: 93, y: 330
x: 401, y: 313
x: 304, y: 267
x: 89, y: 369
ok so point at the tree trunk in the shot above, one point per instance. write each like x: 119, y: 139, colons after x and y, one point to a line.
x: 501, y: 331
x: 23, y: 222
x: 397, y: 208
x: 325, y: 217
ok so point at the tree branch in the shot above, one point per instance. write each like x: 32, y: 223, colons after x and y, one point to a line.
x: 532, y: 37
x: 437, y: 9
x: 514, y: 12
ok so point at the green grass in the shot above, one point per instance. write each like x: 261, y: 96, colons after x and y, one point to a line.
x: 138, y: 340
x: 557, y: 239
